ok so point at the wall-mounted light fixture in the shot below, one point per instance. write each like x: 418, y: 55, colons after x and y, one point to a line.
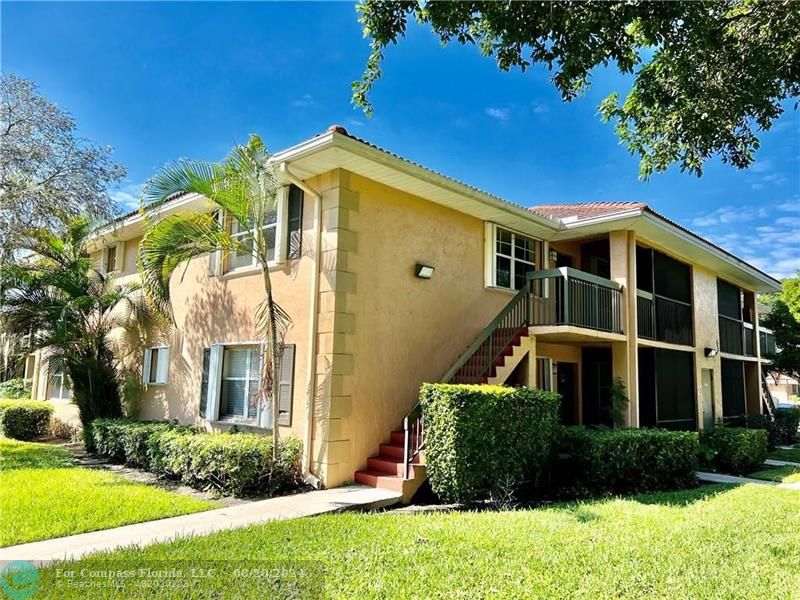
x: 423, y: 271
x: 553, y: 256
x: 711, y: 352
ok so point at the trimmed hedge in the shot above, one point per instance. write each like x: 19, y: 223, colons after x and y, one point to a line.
x: 24, y: 419
x: 624, y: 460
x: 782, y: 429
x: 14, y: 389
x: 238, y: 464
x: 479, y: 439
x: 734, y: 450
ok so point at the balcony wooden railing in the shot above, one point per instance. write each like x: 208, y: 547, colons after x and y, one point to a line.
x: 567, y: 296
x: 663, y: 319
x: 736, y: 337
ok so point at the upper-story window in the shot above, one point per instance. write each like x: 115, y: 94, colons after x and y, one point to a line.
x: 513, y: 256
x: 112, y: 258
x: 282, y: 229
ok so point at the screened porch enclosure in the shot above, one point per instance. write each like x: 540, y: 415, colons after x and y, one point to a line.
x: 666, y: 389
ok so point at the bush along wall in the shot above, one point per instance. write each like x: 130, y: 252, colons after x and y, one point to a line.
x: 591, y: 462
x: 238, y: 464
x: 24, y: 419
x: 781, y: 428
x: 734, y: 450
x: 481, y: 439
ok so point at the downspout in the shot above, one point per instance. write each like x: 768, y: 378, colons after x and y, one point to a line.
x: 313, y: 306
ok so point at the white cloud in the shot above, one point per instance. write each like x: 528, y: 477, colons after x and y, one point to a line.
x: 791, y: 206
x: 763, y: 236
x: 303, y: 101
x: 501, y: 114
x: 540, y: 108
x: 127, y: 197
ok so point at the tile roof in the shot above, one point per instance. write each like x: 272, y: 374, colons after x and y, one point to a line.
x: 584, y: 210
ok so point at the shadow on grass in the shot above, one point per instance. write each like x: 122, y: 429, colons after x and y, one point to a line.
x: 684, y: 497
x: 26, y: 455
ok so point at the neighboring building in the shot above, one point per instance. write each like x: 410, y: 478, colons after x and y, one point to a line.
x: 785, y: 390
x: 390, y: 271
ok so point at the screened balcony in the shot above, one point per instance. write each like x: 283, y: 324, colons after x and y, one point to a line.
x: 767, y: 342
x: 736, y: 330
x: 663, y: 298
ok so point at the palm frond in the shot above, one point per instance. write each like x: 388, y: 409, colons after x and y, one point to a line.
x: 181, y: 177
x: 172, y: 241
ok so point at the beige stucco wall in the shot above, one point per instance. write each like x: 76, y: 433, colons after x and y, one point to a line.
x: 706, y: 335
x: 404, y: 330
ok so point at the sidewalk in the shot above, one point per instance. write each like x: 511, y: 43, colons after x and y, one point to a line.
x: 720, y: 478
x: 355, y: 497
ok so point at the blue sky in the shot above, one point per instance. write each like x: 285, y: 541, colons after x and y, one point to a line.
x: 158, y: 81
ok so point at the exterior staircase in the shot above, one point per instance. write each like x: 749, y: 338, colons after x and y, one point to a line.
x: 399, y: 464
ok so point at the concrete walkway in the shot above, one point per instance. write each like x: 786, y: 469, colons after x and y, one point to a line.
x: 720, y: 478
x: 355, y: 497
x: 781, y: 463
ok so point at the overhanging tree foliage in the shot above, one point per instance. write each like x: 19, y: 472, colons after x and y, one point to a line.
x: 48, y: 174
x: 708, y: 76
x: 784, y: 320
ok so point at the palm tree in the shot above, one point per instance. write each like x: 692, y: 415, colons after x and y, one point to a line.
x: 50, y: 287
x: 242, y: 187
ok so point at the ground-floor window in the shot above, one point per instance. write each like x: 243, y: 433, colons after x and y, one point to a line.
x: 241, y: 377
x: 58, y: 385
x: 666, y: 389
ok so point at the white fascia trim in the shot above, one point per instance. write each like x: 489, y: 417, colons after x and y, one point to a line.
x: 608, y: 218
x: 167, y: 207
x: 384, y: 158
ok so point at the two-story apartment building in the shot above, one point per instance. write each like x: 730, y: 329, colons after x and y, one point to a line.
x: 396, y: 275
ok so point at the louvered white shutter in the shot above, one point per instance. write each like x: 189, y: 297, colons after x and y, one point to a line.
x: 214, y: 382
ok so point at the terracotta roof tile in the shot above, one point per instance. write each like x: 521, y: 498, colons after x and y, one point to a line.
x: 584, y: 210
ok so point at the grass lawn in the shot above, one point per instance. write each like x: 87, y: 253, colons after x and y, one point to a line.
x: 711, y: 542
x: 779, y: 474
x: 43, y: 496
x: 792, y: 455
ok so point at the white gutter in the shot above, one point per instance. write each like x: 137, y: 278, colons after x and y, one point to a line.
x: 313, y: 302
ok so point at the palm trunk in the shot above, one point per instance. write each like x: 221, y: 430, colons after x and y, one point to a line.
x: 270, y: 367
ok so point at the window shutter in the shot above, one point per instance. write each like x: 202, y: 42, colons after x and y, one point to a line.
x: 294, y: 223
x: 214, y: 382
x: 162, y: 368
x: 119, y: 263
x: 286, y: 385
x: 148, y: 355
x: 204, y: 383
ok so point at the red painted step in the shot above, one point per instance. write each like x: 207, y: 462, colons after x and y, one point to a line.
x: 391, y: 450
x: 383, y: 464
x: 381, y: 480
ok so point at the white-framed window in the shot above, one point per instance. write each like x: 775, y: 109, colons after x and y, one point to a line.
x: 245, y: 256
x: 112, y: 258
x: 156, y: 365
x: 510, y: 257
x: 231, y: 381
x: 241, y: 377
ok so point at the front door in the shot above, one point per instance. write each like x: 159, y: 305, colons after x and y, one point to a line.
x: 707, y: 383
x: 566, y: 385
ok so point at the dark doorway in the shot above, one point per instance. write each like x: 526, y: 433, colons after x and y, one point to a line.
x: 734, y: 400
x: 563, y: 260
x: 567, y: 386
x: 596, y: 258
x: 597, y: 376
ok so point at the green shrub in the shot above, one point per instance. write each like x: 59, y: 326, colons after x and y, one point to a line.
x: 128, y: 440
x: 480, y: 438
x: 624, y: 460
x: 14, y: 389
x: 24, y: 419
x: 734, y: 450
x: 787, y: 420
x: 232, y: 464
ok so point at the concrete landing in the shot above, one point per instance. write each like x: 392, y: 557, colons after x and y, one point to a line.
x: 356, y: 497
